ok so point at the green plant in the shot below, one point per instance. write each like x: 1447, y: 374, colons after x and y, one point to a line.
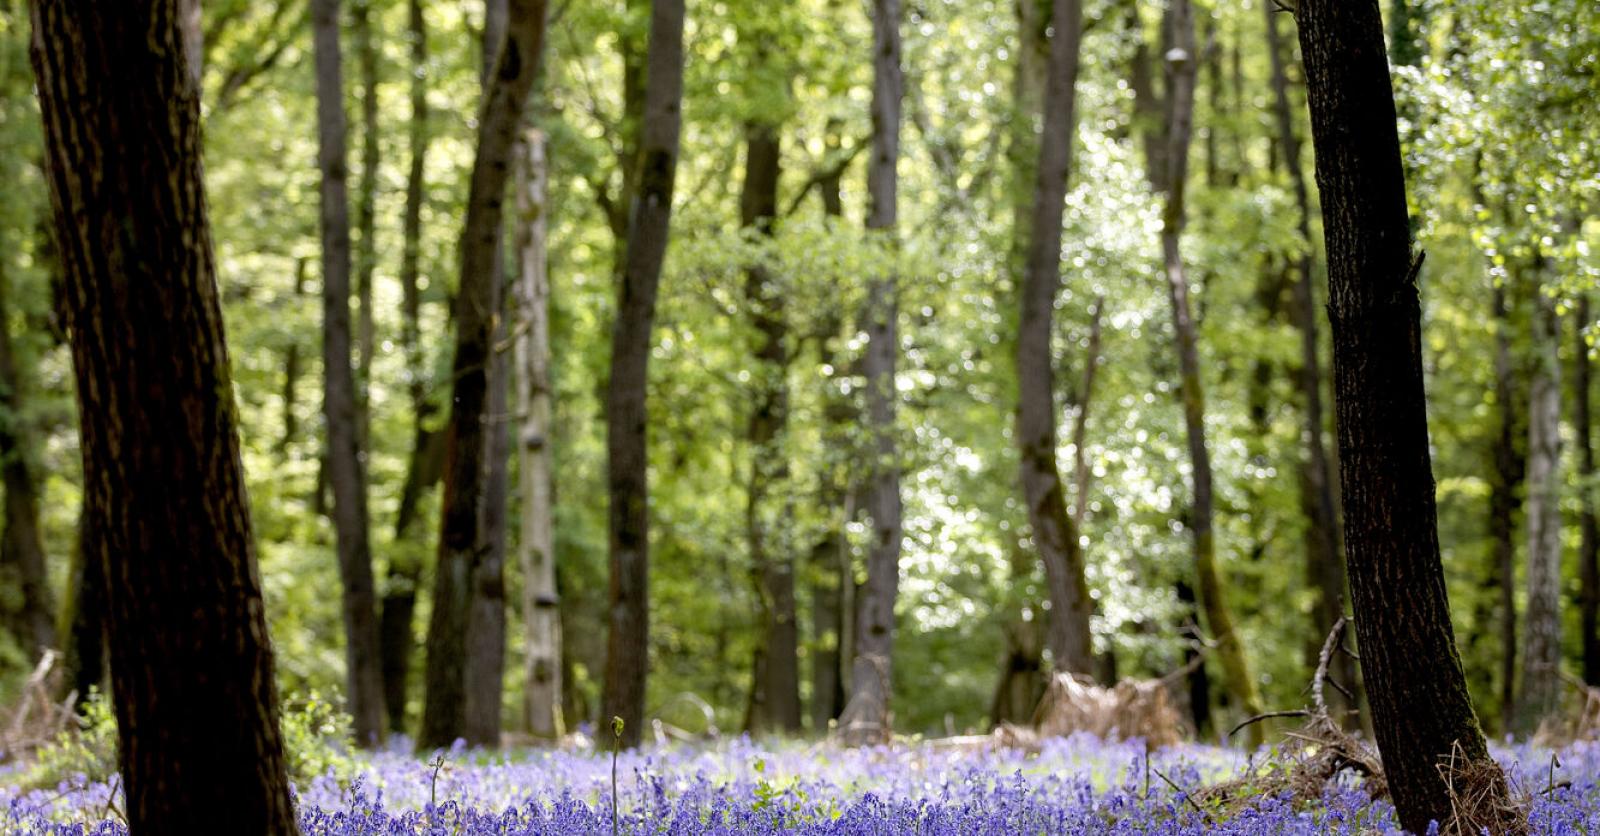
x: 88, y: 750
x: 316, y: 737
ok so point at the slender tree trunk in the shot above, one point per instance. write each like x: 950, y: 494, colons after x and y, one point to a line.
x: 1181, y: 67
x: 426, y: 462
x: 1589, y: 545
x: 363, y: 674
x: 1324, y: 552
x: 1540, y: 694
x: 1509, y: 467
x: 768, y: 507
x: 536, y: 553
x: 466, y: 445
x: 292, y: 370
x: 366, y: 252
x: 1081, y: 477
x: 866, y: 716
x: 22, y: 545
x: 628, y: 642
x: 1421, y: 713
x: 1055, y: 533
x: 191, y: 663
x: 82, y: 618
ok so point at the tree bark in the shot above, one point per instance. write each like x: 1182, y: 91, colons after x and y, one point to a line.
x: 536, y: 553
x: 768, y: 506
x: 1589, y: 543
x: 1324, y: 553
x: 426, y: 462
x: 366, y: 252
x: 363, y: 675
x: 466, y: 436
x: 1540, y: 694
x: 627, y: 461
x: 191, y: 663
x: 1181, y: 68
x: 1055, y: 532
x: 866, y: 716
x: 1509, y: 468
x: 1421, y: 713
x: 22, y: 545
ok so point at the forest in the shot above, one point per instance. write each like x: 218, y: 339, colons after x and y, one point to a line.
x: 799, y: 416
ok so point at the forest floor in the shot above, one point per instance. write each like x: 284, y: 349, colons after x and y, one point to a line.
x: 1078, y: 785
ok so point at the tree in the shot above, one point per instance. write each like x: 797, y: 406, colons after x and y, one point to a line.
x: 1540, y: 694
x: 866, y: 715
x: 1589, y: 543
x: 1181, y: 65
x: 363, y: 673
x: 191, y: 664
x: 1055, y: 531
x: 22, y: 545
x: 627, y: 463
x: 505, y: 100
x: 535, y: 462
x: 1421, y: 715
x: 366, y: 251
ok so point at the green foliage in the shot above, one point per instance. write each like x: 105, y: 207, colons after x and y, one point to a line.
x: 84, y: 753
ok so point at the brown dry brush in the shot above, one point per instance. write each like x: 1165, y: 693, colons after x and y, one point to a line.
x: 1133, y: 708
x: 37, y: 717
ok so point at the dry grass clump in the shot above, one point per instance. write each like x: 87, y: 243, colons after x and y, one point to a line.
x: 1480, y: 800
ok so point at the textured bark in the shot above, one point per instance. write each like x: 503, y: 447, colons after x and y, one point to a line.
x: 1324, y: 553
x: 1509, y: 468
x: 628, y: 642
x: 22, y: 545
x: 366, y: 252
x: 363, y: 674
x: 768, y: 506
x: 1181, y: 67
x: 1054, y: 531
x: 466, y: 435
x: 1421, y: 713
x: 486, y: 608
x: 1540, y: 692
x: 541, y: 602
x: 191, y: 664
x: 426, y: 462
x: 1589, y: 542
x: 866, y: 716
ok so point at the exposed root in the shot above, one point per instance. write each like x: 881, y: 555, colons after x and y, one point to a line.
x: 1311, y: 758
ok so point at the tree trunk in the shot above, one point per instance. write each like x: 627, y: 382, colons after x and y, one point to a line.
x: 22, y: 545
x: 460, y: 529
x: 1509, y: 468
x: 1421, y: 713
x: 363, y: 674
x: 82, y: 619
x: 768, y: 505
x: 1055, y: 533
x: 292, y: 370
x: 1181, y: 67
x: 1589, y: 545
x: 1080, y: 421
x: 628, y: 642
x: 536, y: 553
x: 366, y: 253
x: 191, y: 663
x: 1324, y: 552
x: 426, y: 461
x: 866, y: 716
x: 1540, y: 694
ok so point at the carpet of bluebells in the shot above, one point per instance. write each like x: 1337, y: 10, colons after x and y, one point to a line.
x: 1074, y: 786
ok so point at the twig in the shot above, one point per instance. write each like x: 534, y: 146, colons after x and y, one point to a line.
x: 1269, y: 715
x: 1181, y: 791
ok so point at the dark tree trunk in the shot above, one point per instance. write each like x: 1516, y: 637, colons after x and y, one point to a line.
x: 1540, y: 694
x: 1324, y: 552
x: 22, y: 545
x: 1181, y: 68
x: 1421, y: 712
x: 363, y: 674
x: 82, y: 624
x: 768, y: 506
x: 426, y: 462
x: 1505, y: 495
x: 866, y: 716
x: 366, y: 253
x: 486, y: 608
x: 627, y: 460
x: 1054, y: 531
x: 466, y: 444
x: 191, y: 664
x: 1589, y: 543
x: 292, y: 370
